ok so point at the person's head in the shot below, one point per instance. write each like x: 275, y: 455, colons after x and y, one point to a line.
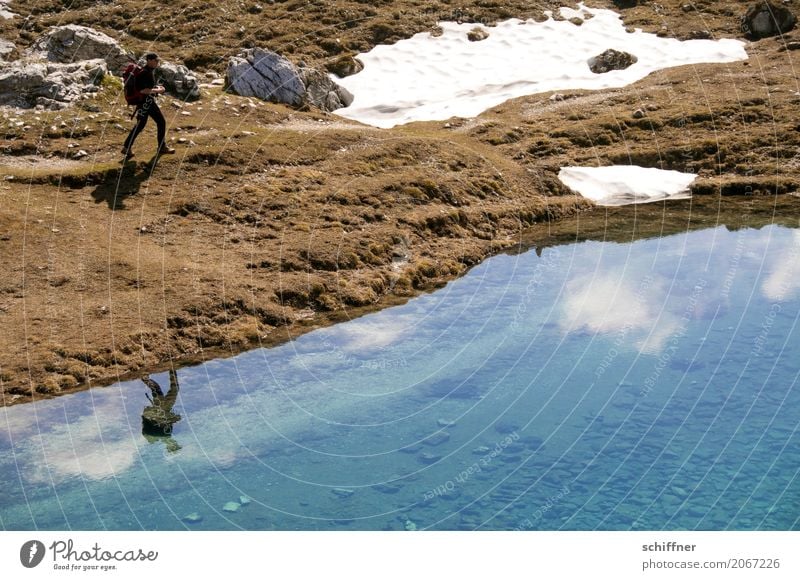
x: 151, y: 58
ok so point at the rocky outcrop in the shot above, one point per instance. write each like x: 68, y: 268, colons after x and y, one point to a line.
x: 764, y: 19
x: 73, y: 43
x: 611, y: 60
x: 49, y: 85
x: 179, y: 81
x: 271, y: 77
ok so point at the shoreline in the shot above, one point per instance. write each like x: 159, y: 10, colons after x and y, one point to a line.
x: 609, y: 224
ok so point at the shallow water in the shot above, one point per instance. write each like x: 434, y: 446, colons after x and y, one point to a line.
x: 648, y: 385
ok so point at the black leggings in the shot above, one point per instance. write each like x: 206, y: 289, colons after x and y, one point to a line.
x: 147, y: 109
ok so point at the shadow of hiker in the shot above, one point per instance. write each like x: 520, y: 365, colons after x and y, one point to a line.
x: 124, y: 183
x: 158, y: 417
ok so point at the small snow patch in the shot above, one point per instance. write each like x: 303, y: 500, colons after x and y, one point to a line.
x: 626, y: 184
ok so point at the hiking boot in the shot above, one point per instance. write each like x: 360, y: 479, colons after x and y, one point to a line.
x: 127, y: 153
x: 165, y: 150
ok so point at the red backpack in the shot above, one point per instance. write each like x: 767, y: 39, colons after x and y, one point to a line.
x: 129, y: 75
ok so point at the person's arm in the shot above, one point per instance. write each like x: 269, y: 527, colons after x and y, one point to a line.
x: 154, y: 387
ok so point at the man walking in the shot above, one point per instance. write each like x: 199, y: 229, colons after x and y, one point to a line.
x: 146, y: 85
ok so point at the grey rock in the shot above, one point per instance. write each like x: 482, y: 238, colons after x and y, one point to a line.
x: 765, y: 19
x: 6, y: 48
x: 268, y: 76
x: 193, y: 518
x: 49, y: 85
x: 638, y: 114
x: 342, y: 492
x: 179, y: 81
x: 73, y: 43
x: 611, y: 60
x: 5, y: 13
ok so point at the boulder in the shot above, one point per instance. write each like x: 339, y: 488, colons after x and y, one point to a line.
x: 611, y: 60
x: 765, y: 19
x: 179, y: 81
x: 50, y: 85
x: 72, y: 43
x: 264, y: 74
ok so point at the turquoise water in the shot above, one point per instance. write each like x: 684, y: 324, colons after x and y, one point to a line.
x: 649, y: 385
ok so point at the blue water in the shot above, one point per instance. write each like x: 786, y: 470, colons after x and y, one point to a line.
x: 649, y: 385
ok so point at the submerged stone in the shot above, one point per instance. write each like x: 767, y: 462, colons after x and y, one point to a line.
x: 231, y: 507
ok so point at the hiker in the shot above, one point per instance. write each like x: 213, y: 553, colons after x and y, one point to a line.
x: 144, y: 84
x: 158, y: 418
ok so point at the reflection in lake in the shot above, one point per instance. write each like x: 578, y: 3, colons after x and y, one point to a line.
x: 598, y: 385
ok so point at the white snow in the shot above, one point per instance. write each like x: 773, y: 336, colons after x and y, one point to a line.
x: 427, y: 78
x: 624, y: 184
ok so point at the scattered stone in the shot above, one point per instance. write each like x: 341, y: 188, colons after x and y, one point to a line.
x: 791, y: 45
x: 218, y: 82
x: 765, y: 19
x: 6, y: 48
x: 244, y: 500
x: 344, y: 66
x: 429, y: 458
x: 186, y: 113
x: 193, y: 518
x: 481, y: 450
x: 611, y: 60
x: 477, y: 34
x: 271, y: 77
x: 638, y: 114
x: 231, y: 506
x: 342, y: 492
x: 437, y: 438
x: 389, y: 488
x: 410, y: 526
x: 576, y: 21
x: 445, y: 423
x: 72, y: 43
x: 557, y: 97
x: 679, y: 491
x: 81, y: 153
